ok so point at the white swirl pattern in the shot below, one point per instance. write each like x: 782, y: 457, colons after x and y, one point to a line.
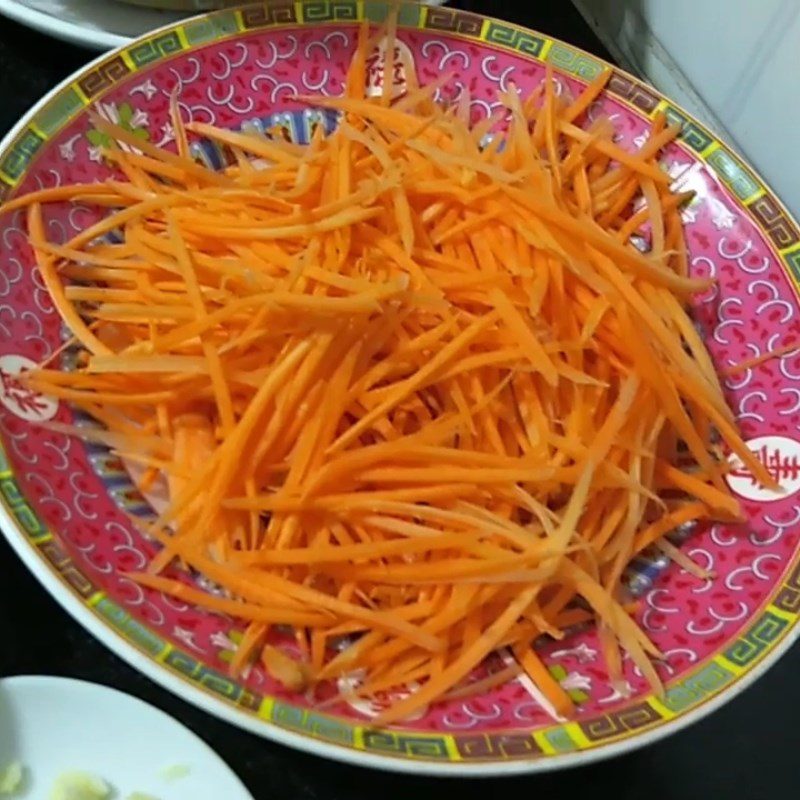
x: 706, y: 562
x: 500, y: 79
x: 465, y: 716
x: 81, y: 496
x: 276, y: 54
x: 11, y: 275
x: 6, y: 311
x: 726, y: 321
x: 47, y: 498
x: 230, y: 65
x: 745, y: 402
x: 779, y: 528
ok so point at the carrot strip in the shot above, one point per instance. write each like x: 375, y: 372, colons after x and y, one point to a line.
x: 755, y: 361
x: 540, y: 675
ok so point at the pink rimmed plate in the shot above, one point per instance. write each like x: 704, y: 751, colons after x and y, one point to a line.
x: 65, y: 505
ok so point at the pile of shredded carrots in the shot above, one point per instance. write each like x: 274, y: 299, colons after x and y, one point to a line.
x: 414, y: 392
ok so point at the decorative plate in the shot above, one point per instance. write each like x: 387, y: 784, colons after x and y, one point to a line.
x: 64, y: 503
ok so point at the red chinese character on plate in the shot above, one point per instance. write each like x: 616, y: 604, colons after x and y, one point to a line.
x: 402, y: 66
x: 781, y: 457
x: 17, y: 396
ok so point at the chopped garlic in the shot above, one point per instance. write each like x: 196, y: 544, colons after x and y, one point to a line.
x: 11, y: 778
x: 80, y: 786
x: 174, y: 772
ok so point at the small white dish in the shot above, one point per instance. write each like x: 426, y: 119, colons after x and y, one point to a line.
x: 57, y: 725
x: 94, y: 24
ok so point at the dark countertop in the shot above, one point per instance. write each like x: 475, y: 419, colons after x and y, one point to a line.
x: 746, y: 750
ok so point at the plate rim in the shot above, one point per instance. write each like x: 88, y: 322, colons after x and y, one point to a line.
x: 195, y: 694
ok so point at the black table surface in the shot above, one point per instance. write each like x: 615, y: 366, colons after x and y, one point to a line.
x: 748, y: 749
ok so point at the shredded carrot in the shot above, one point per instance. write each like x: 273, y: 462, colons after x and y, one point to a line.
x: 287, y: 671
x: 403, y: 388
x: 252, y: 642
x: 540, y: 675
x: 755, y: 361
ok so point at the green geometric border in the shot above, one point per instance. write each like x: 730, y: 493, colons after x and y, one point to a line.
x: 692, y: 133
x: 776, y: 620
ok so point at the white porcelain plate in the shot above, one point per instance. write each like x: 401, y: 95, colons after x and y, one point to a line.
x: 57, y: 725
x: 94, y: 24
